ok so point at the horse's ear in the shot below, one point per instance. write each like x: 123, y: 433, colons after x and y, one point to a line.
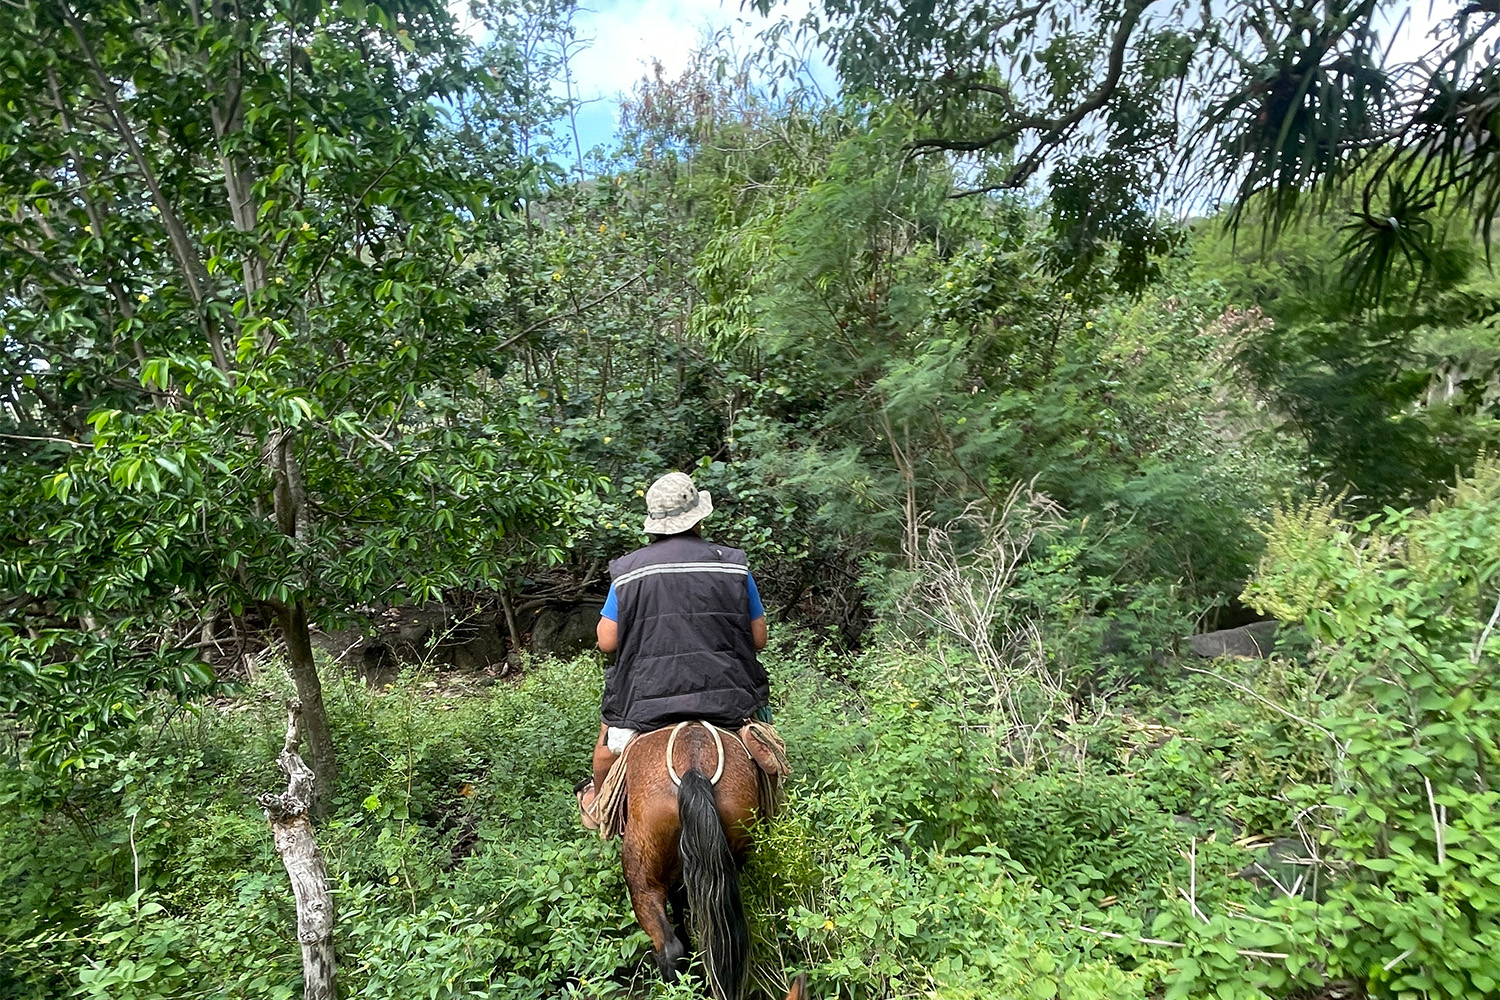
x: 798, y: 990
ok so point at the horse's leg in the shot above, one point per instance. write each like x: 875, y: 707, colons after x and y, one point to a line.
x: 677, y: 897
x: 648, y: 897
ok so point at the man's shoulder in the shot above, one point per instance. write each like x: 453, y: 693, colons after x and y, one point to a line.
x: 623, y: 564
x: 678, y: 548
x: 703, y: 549
x: 729, y: 553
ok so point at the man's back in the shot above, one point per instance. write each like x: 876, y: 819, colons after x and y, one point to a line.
x: 685, y: 645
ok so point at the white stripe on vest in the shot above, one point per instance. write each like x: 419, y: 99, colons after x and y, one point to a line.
x: 689, y: 567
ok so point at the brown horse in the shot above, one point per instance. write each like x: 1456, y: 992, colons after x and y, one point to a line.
x: 684, y: 844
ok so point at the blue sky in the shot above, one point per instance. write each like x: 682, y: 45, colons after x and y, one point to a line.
x: 624, y: 36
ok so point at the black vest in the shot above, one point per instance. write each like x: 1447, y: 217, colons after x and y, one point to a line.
x: 685, y: 649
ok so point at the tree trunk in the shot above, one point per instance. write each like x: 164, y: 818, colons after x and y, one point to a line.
x: 512, y: 631
x: 293, y: 519
x: 299, y: 652
x: 292, y: 832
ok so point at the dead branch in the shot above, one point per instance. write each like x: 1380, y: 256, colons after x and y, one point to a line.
x: 292, y: 831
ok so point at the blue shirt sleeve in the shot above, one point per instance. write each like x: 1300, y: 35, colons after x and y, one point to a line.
x: 611, y: 609
x: 757, y: 609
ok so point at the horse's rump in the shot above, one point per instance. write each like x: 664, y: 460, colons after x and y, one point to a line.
x: 756, y: 741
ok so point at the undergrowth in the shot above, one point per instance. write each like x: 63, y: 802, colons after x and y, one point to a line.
x: 1254, y: 829
x: 911, y: 858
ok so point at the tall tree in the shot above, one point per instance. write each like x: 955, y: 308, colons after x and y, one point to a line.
x: 245, y: 364
x: 1109, y: 103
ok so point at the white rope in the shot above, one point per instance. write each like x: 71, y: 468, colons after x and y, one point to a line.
x: 672, y: 744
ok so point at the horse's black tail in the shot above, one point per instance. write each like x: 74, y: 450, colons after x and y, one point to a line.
x: 712, y: 880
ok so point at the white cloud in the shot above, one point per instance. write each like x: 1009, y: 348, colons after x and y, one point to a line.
x: 627, y: 35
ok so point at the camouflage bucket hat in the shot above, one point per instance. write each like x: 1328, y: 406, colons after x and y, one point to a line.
x: 674, y: 504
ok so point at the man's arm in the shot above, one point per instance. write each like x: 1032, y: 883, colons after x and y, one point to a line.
x: 757, y: 633
x: 608, y: 634
x: 757, y: 613
x: 608, y: 631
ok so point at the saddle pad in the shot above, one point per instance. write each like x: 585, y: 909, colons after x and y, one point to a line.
x: 768, y: 750
x: 609, y: 803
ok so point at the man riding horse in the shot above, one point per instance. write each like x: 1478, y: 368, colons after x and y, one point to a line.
x: 685, y: 621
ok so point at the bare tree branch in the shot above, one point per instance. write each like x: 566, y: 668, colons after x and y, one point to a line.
x: 1055, y: 129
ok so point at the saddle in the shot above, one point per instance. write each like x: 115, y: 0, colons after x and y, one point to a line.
x: 760, y: 742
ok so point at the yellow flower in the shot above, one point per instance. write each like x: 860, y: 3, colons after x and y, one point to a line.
x: 306, y: 226
x: 1089, y: 325
x: 556, y: 275
x: 144, y: 296
x: 603, y: 226
x: 828, y: 924
x: 89, y: 230
x: 607, y: 440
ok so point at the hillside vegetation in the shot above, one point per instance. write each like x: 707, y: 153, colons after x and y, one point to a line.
x: 1062, y: 334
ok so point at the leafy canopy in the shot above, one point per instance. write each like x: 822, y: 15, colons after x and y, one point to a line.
x: 245, y: 363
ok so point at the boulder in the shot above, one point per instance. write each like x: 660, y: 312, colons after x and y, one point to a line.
x: 1254, y: 641
x: 432, y: 635
x: 477, y: 645
x: 565, y: 630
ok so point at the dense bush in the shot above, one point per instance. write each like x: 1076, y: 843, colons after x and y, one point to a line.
x: 1124, y: 858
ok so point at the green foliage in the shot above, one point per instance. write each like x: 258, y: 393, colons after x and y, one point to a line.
x: 913, y: 855
x: 459, y: 868
x: 1400, y: 607
x: 1007, y: 85
x: 925, y: 354
x: 1294, y: 107
x: 776, y: 298
x: 245, y: 367
x: 412, y: 361
x: 1389, y: 389
x: 168, y: 878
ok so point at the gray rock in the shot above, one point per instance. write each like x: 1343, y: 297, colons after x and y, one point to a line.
x: 565, y: 630
x: 1254, y: 641
x: 478, y: 646
x: 432, y: 635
